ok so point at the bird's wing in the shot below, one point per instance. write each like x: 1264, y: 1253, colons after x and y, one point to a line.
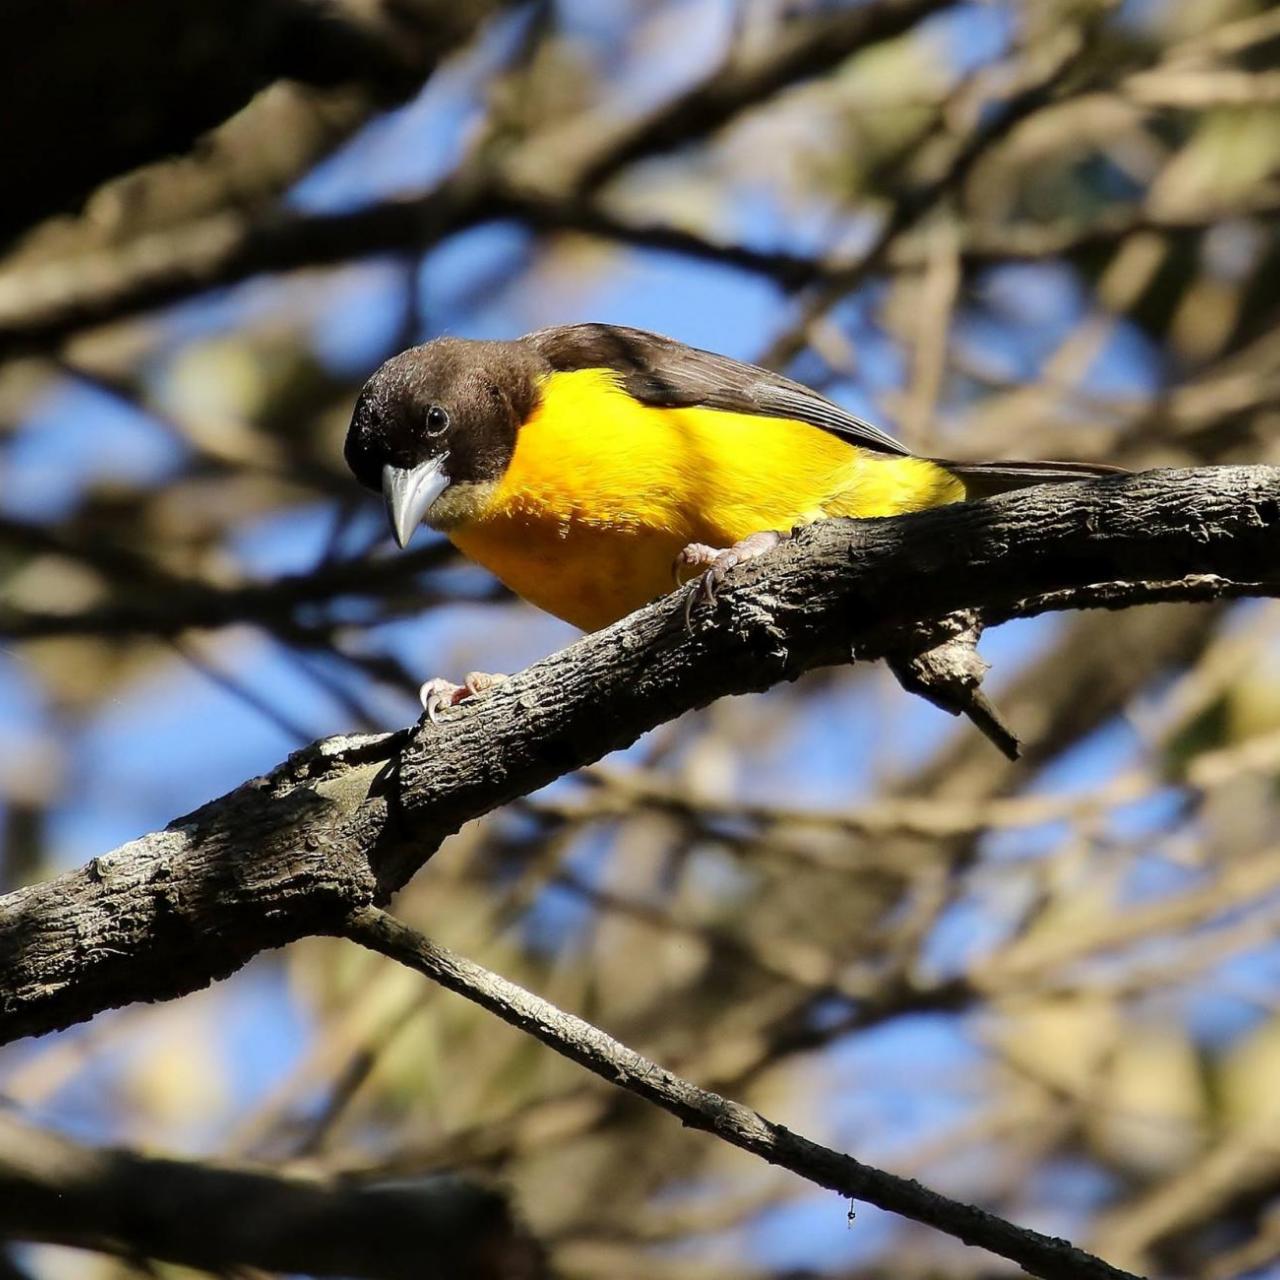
x: 667, y: 374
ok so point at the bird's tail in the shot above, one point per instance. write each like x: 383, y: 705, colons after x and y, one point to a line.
x: 983, y: 479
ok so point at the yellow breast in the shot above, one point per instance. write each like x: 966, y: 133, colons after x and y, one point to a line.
x: 603, y: 492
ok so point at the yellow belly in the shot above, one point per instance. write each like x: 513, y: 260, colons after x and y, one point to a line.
x: 603, y: 493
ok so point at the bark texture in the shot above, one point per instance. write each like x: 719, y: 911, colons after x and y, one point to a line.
x: 345, y: 822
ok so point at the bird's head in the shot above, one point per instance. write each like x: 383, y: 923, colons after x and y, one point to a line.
x: 435, y: 427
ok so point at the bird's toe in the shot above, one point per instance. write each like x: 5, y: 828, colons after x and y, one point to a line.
x: 715, y: 564
x: 476, y: 683
x: 437, y: 694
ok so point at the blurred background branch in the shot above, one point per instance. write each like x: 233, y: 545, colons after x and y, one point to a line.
x: 219, y: 1217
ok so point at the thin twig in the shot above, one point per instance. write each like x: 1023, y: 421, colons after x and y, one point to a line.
x: 574, y: 1038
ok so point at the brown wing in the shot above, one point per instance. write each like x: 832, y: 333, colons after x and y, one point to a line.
x: 667, y: 374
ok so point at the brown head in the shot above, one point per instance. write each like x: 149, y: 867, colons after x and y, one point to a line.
x: 437, y: 424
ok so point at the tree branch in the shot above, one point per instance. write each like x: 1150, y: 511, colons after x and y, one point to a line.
x: 224, y: 1216
x: 148, y: 599
x: 801, y: 51
x: 41, y: 304
x: 347, y: 821
x: 738, y: 1125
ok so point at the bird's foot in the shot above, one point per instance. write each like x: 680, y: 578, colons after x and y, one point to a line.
x: 439, y: 693
x: 714, y: 562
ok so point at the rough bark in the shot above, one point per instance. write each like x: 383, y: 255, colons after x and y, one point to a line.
x: 347, y: 821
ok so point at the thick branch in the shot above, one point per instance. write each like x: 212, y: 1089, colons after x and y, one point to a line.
x: 738, y: 1125
x: 219, y: 1217
x: 347, y: 821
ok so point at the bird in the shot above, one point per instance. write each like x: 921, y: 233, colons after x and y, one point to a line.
x: 591, y: 467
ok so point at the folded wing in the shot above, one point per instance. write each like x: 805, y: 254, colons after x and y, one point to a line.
x: 667, y: 374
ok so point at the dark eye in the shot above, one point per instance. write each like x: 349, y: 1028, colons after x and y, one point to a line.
x: 437, y: 420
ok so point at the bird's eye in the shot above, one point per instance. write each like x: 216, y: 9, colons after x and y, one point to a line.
x: 437, y: 420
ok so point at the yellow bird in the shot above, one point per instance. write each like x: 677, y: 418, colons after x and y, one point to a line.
x: 584, y: 465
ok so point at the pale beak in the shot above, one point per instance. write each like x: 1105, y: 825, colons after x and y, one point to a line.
x: 410, y: 491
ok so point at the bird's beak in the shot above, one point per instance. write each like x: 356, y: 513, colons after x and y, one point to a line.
x: 410, y: 491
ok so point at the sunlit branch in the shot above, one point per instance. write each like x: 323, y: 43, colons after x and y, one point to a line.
x: 348, y: 821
